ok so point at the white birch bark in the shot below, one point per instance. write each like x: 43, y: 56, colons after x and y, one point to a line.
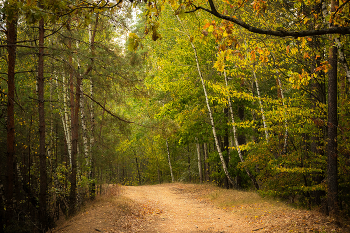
x: 65, y: 117
x: 199, y: 162
x: 235, y: 134
x: 285, y: 117
x: 206, y: 164
x: 171, y: 168
x: 83, y: 125
x: 261, y: 108
x: 223, y: 163
x: 83, y: 121
x: 92, y: 127
x: 92, y: 34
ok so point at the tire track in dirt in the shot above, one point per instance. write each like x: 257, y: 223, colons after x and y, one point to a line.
x: 178, y: 212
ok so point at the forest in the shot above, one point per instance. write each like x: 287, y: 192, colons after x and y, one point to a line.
x: 246, y: 94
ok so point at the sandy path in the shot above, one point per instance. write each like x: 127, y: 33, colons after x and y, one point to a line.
x: 180, y: 213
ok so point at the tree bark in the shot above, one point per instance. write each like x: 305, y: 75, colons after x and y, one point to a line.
x: 11, y: 25
x: 42, y: 144
x: 199, y: 162
x: 206, y: 164
x: 169, y: 161
x: 332, y: 152
x: 261, y: 108
x: 84, y: 130
x: 74, y: 104
x: 285, y: 141
x: 92, y: 187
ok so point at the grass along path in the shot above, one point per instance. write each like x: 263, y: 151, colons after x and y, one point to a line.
x: 193, y: 208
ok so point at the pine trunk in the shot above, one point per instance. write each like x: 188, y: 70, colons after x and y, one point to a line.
x: 11, y: 49
x: 332, y: 135
x: 42, y: 149
x: 332, y: 152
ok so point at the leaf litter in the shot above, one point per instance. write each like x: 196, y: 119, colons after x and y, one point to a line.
x: 195, y: 208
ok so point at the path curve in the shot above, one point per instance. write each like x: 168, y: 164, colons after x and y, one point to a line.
x: 180, y: 213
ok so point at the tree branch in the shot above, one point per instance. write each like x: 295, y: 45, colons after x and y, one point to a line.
x: 108, y: 111
x: 278, y: 33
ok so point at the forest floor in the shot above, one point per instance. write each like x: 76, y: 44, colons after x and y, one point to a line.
x: 195, y: 208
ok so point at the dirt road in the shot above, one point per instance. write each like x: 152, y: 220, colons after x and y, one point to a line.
x: 180, y: 213
x: 188, y: 208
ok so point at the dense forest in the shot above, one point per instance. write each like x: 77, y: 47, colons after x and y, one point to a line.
x: 244, y: 94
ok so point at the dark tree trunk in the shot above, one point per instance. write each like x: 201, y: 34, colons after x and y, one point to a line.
x: 42, y: 150
x: 332, y: 152
x: 332, y: 135
x: 138, y: 168
x: 11, y: 25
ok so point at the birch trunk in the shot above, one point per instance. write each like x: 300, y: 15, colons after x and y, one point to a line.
x: 171, y: 168
x: 285, y: 117
x: 209, y: 108
x: 66, y: 119
x: 252, y: 178
x: 261, y: 108
x: 84, y: 128
x: 92, y: 144
x: 206, y: 164
x: 199, y: 162
x: 82, y: 119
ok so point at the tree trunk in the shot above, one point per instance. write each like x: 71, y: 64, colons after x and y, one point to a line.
x: 42, y: 144
x: 74, y: 124
x: 199, y: 162
x: 285, y: 141
x: 84, y: 130
x: 92, y: 117
x: 137, y: 168
x: 332, y: 125
x: 11, y: 26
x: 92, y: 146
x: 169, y: 161
x: 206, y: 164
x: 189, y: 165
x: 261, y: 108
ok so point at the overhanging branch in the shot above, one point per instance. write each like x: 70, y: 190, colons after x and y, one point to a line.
x: 108, y: 111
x: 278, y: 33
